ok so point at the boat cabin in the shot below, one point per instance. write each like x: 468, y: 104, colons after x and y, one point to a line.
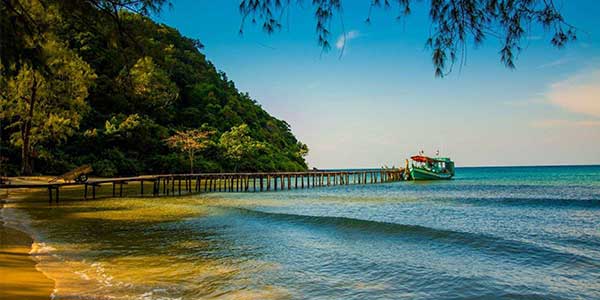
x: 431, y: 168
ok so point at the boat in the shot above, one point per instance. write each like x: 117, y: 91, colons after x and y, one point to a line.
x: 423, y: 167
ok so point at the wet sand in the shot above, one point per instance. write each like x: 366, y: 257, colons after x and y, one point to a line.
x: 19, y: 279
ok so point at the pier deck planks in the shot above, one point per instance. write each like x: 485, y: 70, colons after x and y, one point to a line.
x: 225, y: 182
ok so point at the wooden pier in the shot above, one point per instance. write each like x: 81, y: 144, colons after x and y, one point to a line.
x: 181, y: 184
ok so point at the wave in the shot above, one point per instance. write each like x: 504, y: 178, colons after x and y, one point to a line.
x: 546, y: 202
x: 74, y: 278
x: 525, y: 252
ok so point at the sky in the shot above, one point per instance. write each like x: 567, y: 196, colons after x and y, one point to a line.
x: 378, y: 102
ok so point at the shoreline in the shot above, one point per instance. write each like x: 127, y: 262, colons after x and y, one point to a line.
x: 19, y: 276
x: 27, y: 268
x: 254, y: 246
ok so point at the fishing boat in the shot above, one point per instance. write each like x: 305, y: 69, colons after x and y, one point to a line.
x: 423, y: 167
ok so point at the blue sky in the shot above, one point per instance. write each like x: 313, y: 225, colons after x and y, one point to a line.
x: 378, y: 102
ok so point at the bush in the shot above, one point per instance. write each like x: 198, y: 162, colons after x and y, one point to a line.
x: 104, y: 168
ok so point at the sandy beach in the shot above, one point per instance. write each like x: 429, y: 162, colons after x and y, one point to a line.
x: 19, y: 278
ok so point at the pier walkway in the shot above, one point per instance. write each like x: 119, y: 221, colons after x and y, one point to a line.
x: 180, y: 184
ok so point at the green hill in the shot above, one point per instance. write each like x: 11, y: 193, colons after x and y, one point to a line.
x: 110, y: 91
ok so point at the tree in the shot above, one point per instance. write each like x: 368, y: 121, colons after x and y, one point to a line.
x: 150, y: 85
x: 454, y: 23
x: 238, y: 144
x: 45, y: 105
x: 190, y: 142
x: 151, y: 81
x: 19, y: 19
x: 302, y: 150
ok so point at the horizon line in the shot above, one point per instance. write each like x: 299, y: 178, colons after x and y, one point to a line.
x: 475, y: 166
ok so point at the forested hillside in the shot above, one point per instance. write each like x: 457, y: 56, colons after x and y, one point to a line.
x: 81, y: 86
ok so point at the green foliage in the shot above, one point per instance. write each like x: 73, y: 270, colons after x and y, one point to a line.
x: 111, y: 87
x: 237, y: 145
x: 105, y: 168
x: 453, y: 23
x: 119, y: 126
x: 45, y: 105
x: 149, y: 86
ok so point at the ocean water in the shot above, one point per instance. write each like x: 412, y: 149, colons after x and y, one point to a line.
x: 491, y: 233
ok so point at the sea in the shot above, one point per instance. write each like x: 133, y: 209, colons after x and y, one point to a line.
x: 490, y: 233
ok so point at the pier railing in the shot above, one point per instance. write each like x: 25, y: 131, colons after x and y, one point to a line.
x: 181, y: 184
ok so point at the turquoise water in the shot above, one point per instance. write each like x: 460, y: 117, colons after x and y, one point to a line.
x: 491, y: 233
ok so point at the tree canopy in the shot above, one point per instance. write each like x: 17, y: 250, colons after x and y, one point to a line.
x: 190, y: 142
x: 114, y: 84
x: 239, y: 145
x: 110, y: 85
x: 45, y: 106
x: 454, y: 23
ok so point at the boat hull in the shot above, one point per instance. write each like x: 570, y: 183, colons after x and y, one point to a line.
x: 420, y: 174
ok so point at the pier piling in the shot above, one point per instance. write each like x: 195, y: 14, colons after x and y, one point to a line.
x: 165, y: 185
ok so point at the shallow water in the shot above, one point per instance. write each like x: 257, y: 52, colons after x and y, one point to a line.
x: 492, y: 233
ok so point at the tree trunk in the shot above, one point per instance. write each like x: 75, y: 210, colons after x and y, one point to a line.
x: 26, y: 161
x: 26, y: 167
x: 191, y: 162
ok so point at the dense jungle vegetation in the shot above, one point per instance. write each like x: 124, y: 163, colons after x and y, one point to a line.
x: 126, y: 95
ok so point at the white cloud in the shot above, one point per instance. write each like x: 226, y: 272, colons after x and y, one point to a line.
x: 343, y: 39
x: 579, y: 94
